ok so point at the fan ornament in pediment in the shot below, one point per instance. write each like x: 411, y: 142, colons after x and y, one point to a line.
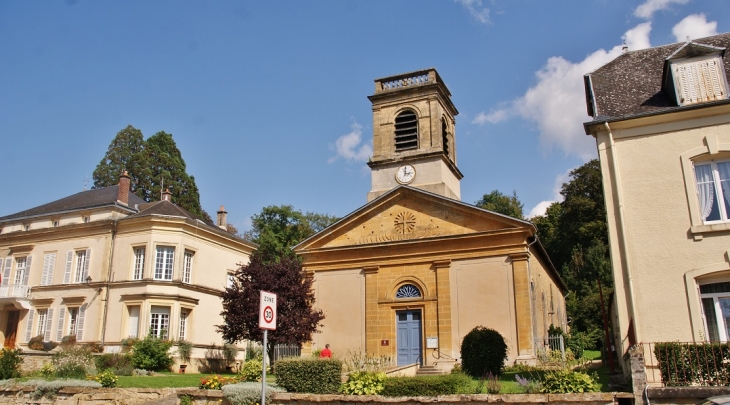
x: 405, y: 227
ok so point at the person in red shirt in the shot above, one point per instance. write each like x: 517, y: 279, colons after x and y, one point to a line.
x: 326, y: 353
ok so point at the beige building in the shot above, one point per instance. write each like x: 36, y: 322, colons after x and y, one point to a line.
x: 103, y: 265
x: 661, y: 119
x: 414, y: 270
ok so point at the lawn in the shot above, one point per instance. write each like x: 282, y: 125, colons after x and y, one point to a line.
x: 171, y: 380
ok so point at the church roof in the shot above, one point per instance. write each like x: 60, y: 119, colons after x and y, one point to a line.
x: 632, y: 85
x: 98, y: 197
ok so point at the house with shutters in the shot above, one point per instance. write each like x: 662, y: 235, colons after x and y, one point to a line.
x: 104, y: 265
x: 661, y: 120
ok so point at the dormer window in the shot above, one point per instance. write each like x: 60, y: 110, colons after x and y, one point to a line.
x: 695, y: 74
x: 406, y: 131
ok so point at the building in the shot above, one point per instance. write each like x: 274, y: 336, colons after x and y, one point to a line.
x: 410, y: 273
x: 103, y: 265
x: 661, y: 119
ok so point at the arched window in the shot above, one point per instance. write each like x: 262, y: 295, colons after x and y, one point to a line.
x: 406, y: 131
x: 408, y: 291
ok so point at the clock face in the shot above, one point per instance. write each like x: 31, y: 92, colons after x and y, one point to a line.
x: 405, y: 174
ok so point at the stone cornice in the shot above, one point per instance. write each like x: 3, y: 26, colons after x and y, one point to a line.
x: 147, y: 296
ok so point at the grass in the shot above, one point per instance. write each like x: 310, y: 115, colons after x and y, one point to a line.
x: 171, y: 380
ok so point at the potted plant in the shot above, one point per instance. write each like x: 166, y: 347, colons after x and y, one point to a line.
x: 184, y: 350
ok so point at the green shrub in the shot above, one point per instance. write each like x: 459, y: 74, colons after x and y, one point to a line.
x: 113, y: 361
x: 106, y: 378
x: 47, y: 370
x: 10, y: 363
x: 251, y: 370
x: 483, y: 351
x: 364, y: 383
x: 151, y: 353
x: 247, y: 393
x: 448, y: 384
x: 684, y: 364
x: 568, y: 381
x: 73, y: 362
x: 184, y: 350
x: 314, y: 376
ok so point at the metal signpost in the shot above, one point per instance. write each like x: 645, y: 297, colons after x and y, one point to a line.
x: 267, y: 322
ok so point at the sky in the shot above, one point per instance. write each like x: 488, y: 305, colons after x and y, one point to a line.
x: 267, y: 100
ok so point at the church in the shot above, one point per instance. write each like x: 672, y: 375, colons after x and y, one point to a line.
x: 411, y: 272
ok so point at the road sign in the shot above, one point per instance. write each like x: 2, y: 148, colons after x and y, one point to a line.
x: 267, y: 311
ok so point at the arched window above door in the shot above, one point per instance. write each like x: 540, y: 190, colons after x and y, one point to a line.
x: 408, y: 291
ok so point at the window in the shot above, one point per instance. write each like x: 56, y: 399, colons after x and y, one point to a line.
x: 133, y: 321
x: 26, y: 227
x: 80, y: 266
x: 138, y: 272
x: 406, y: 131
x: 159, y: 322
x: 713, y: 190
x: 73, y: 318
x: 55, y: 224
x: 445, y: 136
x: 408, y: 291
x: 42, y: 319
x: 187, y: 266
x: 163, y: 262
x: 716, y: 309
x: 87, y: 219
x: 20, y: 269
x: 230, y: 280
x: 183, y: 324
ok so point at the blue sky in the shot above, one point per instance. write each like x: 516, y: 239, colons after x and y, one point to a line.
x: 268, y: 100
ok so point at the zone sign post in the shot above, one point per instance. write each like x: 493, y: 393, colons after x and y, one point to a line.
x: 267, y: 322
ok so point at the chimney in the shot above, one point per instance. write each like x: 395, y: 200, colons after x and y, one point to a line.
x: 166, y: 195
x: 123, y: 193
x: 222, y: 218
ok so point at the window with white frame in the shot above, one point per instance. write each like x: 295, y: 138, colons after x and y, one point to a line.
x: 187, y: 266
x: 230, y: 280
x: 159, y: 322
x: 79, y: 266
x: 716, y: 310
x: 713, y: 190
x: 73, y: 317
x: 138, y: 271
x: 20, y: 269
x: 163, y: 262
x: 183, y: 324
x: 42, y: 319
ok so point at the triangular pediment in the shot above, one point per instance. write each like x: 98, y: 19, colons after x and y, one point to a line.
x: 408, y: 214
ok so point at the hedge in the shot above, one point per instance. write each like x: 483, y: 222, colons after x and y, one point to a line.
x: 309, y: 375
x: 683, y: 364
x: 426, y: 386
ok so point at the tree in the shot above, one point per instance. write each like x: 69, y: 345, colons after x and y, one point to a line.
x: 503, y: 204
x: 296, y: 319
x: 125, y: 152
x: 150, y: 163
x: 279, y: 228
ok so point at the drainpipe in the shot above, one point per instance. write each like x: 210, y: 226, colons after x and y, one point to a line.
x: 108, y: 281
x: 622, y: 234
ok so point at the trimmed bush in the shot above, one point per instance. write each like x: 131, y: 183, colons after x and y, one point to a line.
x: 364, y: 383
x: 483, y: 351
x: 568, y: 382
x: 247, y: 393
x: 152, y: 353
x: 10, y: 363
x: 448, y: 384
x: 314, y: 376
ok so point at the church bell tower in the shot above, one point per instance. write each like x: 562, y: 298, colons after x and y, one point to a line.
x: 414, y: 140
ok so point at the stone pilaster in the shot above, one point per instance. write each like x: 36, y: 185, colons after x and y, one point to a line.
x: 523, y: 309
x: 443, y: 307
x: 371, y: 309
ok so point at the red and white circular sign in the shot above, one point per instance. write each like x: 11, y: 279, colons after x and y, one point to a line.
x: 267, y: 311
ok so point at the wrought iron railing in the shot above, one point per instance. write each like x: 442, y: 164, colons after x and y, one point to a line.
x: 14, y: 291
x: 550, y: 349
x: 687, y: 363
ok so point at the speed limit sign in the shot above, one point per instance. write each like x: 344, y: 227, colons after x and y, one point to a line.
x: 267, y: 311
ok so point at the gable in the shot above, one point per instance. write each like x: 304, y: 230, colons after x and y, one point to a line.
x: 407, y: 214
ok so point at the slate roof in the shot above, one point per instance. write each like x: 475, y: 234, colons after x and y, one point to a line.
x: 97, y: 197
x: 631, y: 84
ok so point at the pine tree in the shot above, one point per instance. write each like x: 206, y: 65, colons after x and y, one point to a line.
x: 126, y: 152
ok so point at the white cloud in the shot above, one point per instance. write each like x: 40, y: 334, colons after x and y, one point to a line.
x: 540, y: 209
x: 476, y: 10
x: 493, y: 116
x: 350, y: 146
x: 694, y: 26
x: 556, y: 104
x: 542, y: 206
x: 647, y: 9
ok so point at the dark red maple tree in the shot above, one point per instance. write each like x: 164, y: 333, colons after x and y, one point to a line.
x: 296, y: 318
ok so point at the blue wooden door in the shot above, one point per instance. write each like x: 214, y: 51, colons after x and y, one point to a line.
x: 409, y: 337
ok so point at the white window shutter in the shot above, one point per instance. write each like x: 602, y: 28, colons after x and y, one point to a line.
x: 69, y: 267
x: 2, y: 261
x: 49, y: 263
x: 29, y: 325
x: 28, y: 262
x: 86, y: 265
x: 80, y: 323
x: 6, y: 273
x: 49, y: 324
x: 61, y: 319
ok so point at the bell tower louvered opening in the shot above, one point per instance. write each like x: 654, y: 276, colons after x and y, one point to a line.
x: 406, y: 131
x: 445, y: 136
